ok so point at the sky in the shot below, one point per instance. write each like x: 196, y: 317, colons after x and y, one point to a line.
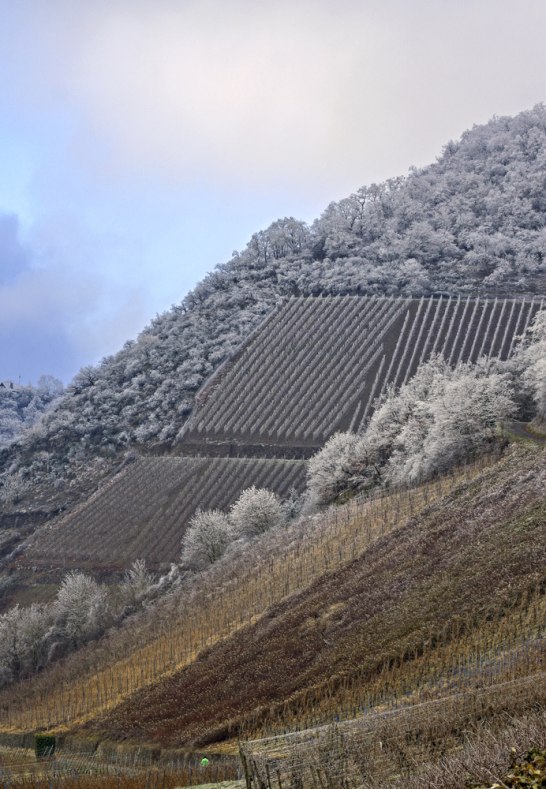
x: 143, y: 141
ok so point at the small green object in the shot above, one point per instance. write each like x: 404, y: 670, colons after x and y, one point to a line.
x: 204, y: 761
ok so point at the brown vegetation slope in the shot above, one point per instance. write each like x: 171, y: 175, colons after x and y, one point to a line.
x: 210, y: 606
x: 475, y: 560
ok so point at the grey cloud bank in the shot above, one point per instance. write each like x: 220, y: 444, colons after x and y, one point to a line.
x: 52, y: 315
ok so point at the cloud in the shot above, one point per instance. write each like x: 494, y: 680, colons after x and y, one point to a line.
x: 308, y: 92
x: 224, y: 115
x: 53, y: 313
x: 14, y: 258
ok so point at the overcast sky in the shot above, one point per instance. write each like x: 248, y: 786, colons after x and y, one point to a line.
x: 142, y: 141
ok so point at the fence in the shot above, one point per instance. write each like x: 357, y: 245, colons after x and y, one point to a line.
x: 381, y: 745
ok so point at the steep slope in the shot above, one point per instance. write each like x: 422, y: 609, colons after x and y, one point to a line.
x: 317, y: 364
x: 472, y: 222
x: 459, y: 588
x: 145, y: 509
x: 210, y: 606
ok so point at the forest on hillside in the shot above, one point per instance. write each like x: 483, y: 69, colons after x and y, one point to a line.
x: 21, y: 406
x: 474, y: 222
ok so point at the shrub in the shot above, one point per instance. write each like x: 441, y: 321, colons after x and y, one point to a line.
x: 329, y: 469
x: 44, y: 745
x: 256, y: 511
x: 206, y: 539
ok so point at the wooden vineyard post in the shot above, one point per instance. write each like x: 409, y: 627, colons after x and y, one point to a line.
x: 256, y: 773
x: 268, y: 775
x: 248, y: 777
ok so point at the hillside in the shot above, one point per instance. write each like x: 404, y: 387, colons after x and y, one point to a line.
x: 427, y: 592
x: 407, y: 603
x: 314, y: 366
x: 144, y: 510
x: 472, y: 222
x: 317, y: 365
x: 210, y: 606
x: 462, y: 585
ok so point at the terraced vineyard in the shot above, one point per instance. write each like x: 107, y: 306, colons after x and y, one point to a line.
x: 453, y: 600
x: 384, y: 746
x: 144, y: 510
x: 237, y: 591
x: 317, y: 364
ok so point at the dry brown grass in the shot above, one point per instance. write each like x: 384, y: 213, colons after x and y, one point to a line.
x: 482, y: 756
x: 372, y: 605
x: 71, y: 769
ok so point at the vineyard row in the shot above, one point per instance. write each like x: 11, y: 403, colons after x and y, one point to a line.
x: 318, y: 364
x: 144, y: 511
x: 233, y: 594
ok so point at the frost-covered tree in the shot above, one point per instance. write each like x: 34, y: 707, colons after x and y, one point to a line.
x: 80, y: 609
x: 22, y: 406
x: 10, y: 656
x: 256, y: 511
x: 292, y: 505
x: 462, y: 417
x: 441, y: 417
x: 328, y: 470
x: 23, y: 641
x: 206, y: 539
x: 136, y: 583
x: 531, y: 360
x: 49, y: 386
x: 284, y: 237
x: 33, y: 637
x: 166, y: 583
x: 34, y: 628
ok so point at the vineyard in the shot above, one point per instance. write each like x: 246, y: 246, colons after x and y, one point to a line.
x: 314, y: 366
x: 143, y: 511
x: 382, y: 746
x: 422, y: 608
x: 384, y: 624
x: 96, y: 768
x: 448, y: 593
x: 233, y: 594
x: 451, y: 600
x: 317, y: 364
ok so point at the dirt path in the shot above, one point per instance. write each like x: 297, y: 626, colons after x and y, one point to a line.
x: 525, y: 430
x: 221, y: 785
